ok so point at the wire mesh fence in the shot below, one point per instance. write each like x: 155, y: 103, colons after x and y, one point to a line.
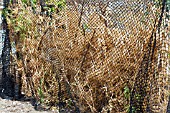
x: 93, y: 55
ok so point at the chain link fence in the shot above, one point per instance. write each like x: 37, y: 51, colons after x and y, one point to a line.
x: 93, y: 55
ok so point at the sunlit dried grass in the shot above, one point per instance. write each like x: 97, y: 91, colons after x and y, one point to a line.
x: 93, y: 65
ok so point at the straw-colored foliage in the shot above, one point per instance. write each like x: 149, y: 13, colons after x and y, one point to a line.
x: 60, y: 60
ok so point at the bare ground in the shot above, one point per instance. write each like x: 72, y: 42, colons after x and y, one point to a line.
x: 11, y: 106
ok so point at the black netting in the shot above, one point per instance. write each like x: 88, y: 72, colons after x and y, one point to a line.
x: 102, y: 55
x: 7, y: 79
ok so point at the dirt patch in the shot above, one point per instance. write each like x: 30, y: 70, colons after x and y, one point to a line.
x: 10, y: 106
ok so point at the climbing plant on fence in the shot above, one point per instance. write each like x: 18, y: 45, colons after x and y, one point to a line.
x: 92, y: 56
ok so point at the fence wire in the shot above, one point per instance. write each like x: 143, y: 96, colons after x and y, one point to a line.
x: 104, y: 56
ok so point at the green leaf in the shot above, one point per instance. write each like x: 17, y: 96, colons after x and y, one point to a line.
x: 16, y: 29
x: 41, y: 92
x: 61, y: 4
x: 85, y: 26
x: 24, y: 1
x: 126, y: 92
x: 52, y: 9
x: 34, y: 1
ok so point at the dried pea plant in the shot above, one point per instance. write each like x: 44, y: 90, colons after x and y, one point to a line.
x: 86, y: 56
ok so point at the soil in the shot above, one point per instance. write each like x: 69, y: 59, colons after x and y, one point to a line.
x: 11, y: 106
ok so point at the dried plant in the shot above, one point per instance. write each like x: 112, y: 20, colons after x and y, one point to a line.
x: 90, y: 61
